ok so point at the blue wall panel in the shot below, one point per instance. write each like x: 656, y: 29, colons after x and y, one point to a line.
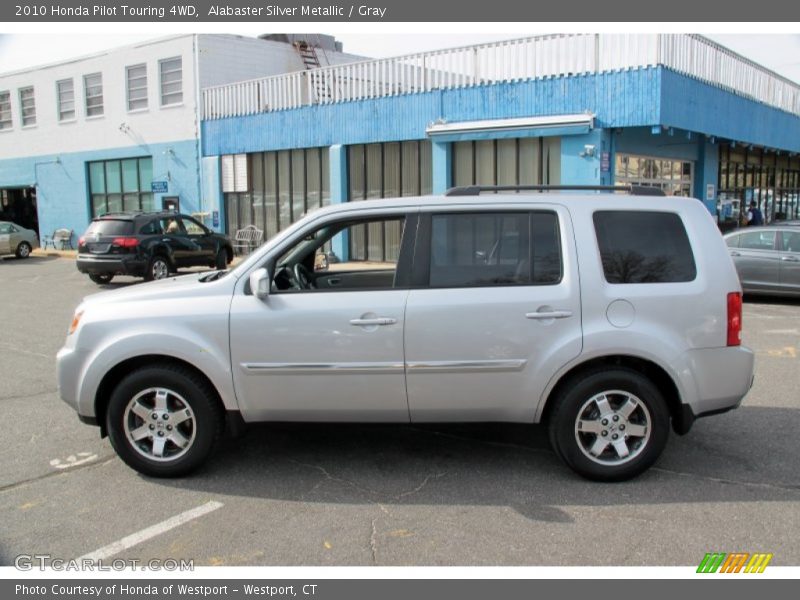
x: 690, y: 104
x: 619, y: 99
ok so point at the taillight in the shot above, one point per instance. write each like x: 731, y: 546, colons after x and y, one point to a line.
x: 734, y: 319
x: 81, y: 241
x: 125, y: 242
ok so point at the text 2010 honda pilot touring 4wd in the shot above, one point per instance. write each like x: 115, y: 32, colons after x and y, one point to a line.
x: 606, y: 316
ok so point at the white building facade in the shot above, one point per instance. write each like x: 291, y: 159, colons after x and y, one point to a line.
x: 120, y: 130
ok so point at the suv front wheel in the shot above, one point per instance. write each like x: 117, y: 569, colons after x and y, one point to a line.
x: 164, y: 421
x: 610, y: 424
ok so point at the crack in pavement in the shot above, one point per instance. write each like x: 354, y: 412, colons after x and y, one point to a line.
x: 17, y: 349
x: 21, y: 396
x: 101, y: 461
x: 772, y: 486
x: 371, y: 494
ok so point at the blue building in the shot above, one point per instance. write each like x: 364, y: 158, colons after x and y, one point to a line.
x: 677, y: 112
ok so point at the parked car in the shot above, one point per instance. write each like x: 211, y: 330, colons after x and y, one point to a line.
x: 150, y: 245
x: 608, y: 318
x: 17, y: 240
x: 767, y: 259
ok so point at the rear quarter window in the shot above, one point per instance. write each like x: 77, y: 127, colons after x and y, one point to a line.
x: 644, y: 247
x: 110, y: 227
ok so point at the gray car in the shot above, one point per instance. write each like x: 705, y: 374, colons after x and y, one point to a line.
x: 609, y: 318
x: 767, y: 259
x: 17, y: 240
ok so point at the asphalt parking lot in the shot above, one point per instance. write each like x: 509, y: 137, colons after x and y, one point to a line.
x: 387, y: 495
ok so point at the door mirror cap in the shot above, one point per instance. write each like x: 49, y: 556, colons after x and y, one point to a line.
x: 259, y: 283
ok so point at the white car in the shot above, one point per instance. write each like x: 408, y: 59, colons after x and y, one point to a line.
x: 608, y: 317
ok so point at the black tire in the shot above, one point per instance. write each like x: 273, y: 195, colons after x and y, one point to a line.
x: 158, y: 267
x: 101, y: 278
x: 221, y: 261
x: 23, y: 250
x: 135, y: 400
x: 596, y: 398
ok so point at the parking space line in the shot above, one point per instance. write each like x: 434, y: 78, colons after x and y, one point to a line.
x: 151, y: 532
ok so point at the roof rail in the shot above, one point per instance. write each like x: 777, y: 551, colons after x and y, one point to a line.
x: 633, y: 190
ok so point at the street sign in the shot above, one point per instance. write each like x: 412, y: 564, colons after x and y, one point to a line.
x: 605, y: 162
x: 159, y: 187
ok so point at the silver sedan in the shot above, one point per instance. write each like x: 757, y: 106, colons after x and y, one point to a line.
x: 17, y: 240
x: 767, y: 259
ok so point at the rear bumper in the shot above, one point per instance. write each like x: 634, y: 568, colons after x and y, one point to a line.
x: 722, y: 378
x: 116, y: 265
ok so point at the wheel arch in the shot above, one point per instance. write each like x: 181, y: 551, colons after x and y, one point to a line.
x: 657, y: 374
x: 127, y: 366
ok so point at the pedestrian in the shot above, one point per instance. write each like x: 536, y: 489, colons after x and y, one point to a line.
x: 754, y: 216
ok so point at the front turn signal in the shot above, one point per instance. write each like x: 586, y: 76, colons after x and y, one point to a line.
x: 76, y: 319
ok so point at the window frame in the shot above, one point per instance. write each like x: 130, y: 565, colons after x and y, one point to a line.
x: 87, y: 96
x: 10, y: 120
x: 420, y: 278
x: 161, y: 73
x: 32, y: 117
x: 60, y: 102
x: 128, y: 89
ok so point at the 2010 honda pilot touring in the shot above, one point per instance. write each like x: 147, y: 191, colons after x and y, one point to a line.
x: 607, y: 317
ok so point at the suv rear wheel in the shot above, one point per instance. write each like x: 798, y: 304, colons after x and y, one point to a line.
x: 157, y: 268
x: 610, y: 424
x: 164, y: 421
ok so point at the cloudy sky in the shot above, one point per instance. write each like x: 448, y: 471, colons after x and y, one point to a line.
x: 777, y: 51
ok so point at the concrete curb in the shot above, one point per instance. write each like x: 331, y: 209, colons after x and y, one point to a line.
x: 73, y: 254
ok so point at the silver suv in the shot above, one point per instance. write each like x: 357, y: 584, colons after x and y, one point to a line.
x: 608, y: 317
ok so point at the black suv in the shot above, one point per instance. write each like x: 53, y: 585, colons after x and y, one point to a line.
x: 149, y: 245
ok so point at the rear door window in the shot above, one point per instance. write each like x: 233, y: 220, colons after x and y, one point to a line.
x: 644, y: 247
x: 494, y: 249
x: 791, y: 241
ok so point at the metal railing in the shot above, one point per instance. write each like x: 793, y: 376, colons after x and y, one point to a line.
x: 505, y: 61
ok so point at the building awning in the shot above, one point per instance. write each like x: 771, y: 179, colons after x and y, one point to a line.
x: 545, y: 126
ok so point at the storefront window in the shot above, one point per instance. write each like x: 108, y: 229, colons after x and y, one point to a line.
x: 117, y: 185
x: 517, y: 161
x: 673, y: 176
x: 769, y: 179
x: 387, y: 170
x: 272, y: 190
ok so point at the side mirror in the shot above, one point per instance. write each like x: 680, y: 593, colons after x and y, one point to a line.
x: 259, y: 283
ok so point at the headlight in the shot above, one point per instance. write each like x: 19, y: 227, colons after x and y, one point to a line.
x: 76, y: 319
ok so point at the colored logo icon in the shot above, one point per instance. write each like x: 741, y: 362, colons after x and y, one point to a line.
x: 736, y: 562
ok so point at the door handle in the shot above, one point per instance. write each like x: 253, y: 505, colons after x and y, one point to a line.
x: 550, y: 314
x: 373, y: 321
x: 334, y: 281
x: 735, y: 254
x: 789, y: 258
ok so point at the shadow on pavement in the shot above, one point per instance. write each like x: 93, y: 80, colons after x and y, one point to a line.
x: 493, y: 464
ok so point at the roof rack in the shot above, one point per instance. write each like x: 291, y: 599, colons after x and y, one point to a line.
x: 633, y: 190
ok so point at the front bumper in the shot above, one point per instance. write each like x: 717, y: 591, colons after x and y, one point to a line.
x: 111, y: 265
